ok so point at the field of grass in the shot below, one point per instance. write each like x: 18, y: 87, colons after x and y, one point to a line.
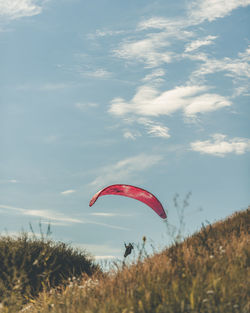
x: 207, y: 272
x: 29, y: 265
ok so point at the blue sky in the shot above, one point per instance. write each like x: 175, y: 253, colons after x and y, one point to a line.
x: 148, y: 93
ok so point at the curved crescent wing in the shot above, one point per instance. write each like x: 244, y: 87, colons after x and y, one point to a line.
x: 132, y: 192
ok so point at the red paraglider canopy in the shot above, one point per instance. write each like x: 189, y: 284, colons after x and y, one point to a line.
x: 132, y: 192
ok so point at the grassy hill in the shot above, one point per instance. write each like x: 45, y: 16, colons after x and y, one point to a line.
x: 29, y: 265
x: 207, y: 272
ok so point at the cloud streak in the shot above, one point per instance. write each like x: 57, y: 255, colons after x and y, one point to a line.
x: 83, y: 106
x: 57, y: 218
x: 98, y: 73
x: 68, y: 192
x: 125, y: 170
x: 196, y: 44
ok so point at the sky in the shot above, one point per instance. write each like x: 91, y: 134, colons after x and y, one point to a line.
x: 149, y: 93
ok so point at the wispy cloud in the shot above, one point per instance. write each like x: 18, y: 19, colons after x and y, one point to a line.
x: 13, y: 181
x: 235, y: 68
x: 155, y: 129
x: 51, y: 139
x: 125, y: 170
x: 105, y: 33
x: 46, y: 214
x: 47, y: 86
x: 56, y: 217
x: 149, y: 50
x: 202, y: 10
x: 196, y: 44
x: 105, y: 214
x: 131, y: 135
x: 154, y: 48
x: 149, y: 101
x: 14, y: 9
x: 155, y: 76
x: 9, y: 181
x: 171, y: 28
x: 54, y: 86
x: 84, y: 105
x: 220, y: 146
x: 68, y: 192
x: 98, y: 73
x: 238, y: 69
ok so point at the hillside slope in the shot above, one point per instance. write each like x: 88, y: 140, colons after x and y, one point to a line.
x: 205, y: 273
x: 28, y: 265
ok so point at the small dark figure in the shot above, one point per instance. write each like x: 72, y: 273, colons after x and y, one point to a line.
x: 128, y: 250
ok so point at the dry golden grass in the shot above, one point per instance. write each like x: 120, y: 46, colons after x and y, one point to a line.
x: 208, y: 272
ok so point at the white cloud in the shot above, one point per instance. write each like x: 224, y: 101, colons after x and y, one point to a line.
x: 14, y: 9
x: 153, y: 49
x: 148, y: 101
x: 201, y: 10
x: 125, y: 170
x: 196, y: 44
x: 148, y: 50
x: 219, y: 146
x: 68, y: 192
x: 207, y: 102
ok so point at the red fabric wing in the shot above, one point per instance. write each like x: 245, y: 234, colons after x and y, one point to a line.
x: 132, y: 192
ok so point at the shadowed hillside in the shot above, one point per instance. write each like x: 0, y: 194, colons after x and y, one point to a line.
x: 30, y: 265
x: 207, y: 272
